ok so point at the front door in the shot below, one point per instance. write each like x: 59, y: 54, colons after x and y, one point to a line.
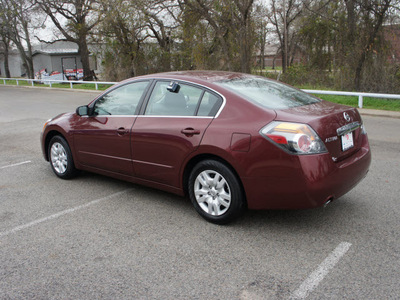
x: 102, y: 140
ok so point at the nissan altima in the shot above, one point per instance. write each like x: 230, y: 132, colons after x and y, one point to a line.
x: 229, y: 141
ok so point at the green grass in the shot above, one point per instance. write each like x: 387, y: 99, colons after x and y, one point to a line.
x: 368, y: 102
x: 82, y: 86
x: 14, y: 82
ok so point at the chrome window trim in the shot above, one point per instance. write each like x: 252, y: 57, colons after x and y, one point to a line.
x: 165, y: 116
x: 182, y: 117
x: 149, y: 116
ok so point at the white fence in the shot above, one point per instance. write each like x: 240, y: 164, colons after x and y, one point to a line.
x: 50, y: 82
x: 360, y: 95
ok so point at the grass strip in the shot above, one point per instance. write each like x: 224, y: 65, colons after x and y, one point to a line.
x: 368, y: 102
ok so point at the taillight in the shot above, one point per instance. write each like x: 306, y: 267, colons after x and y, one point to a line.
x: 296, y: 138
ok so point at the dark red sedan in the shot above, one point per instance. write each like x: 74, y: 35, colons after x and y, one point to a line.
x: 228, y: 140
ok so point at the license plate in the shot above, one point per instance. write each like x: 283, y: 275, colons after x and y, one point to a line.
x: 347, y: 141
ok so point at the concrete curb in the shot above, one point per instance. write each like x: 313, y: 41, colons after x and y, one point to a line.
x: 379, y: 113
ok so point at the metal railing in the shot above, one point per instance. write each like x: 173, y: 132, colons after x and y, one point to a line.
x: 50, y: 82
x: 360, y: 95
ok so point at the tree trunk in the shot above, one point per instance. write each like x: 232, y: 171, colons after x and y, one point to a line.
x: 84, y: 53
x: 284, y: 55
x: 26, y: 59
x: 245, y: 62
x: 29, y: 59
x: 6, y: 64
x: 369, y: 44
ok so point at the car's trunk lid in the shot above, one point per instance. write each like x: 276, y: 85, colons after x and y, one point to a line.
x: 338, y: 126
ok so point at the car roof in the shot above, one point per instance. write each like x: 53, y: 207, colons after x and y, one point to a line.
x: 195, y: 76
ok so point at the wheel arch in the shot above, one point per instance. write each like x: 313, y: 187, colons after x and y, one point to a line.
x: 205, y: 156
x: 47, y: 140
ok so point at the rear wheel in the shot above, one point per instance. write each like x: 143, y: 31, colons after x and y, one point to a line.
x: 60, y: 158
x: 215, y: 192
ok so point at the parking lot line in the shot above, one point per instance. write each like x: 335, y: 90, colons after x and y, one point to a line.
x: 323, y: 269
x: 61, y: 213
x: 17, y: 164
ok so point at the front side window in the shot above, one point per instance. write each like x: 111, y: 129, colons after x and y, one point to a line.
x: 268, y: 93
x: 121, y: 101
x: 182, y: 102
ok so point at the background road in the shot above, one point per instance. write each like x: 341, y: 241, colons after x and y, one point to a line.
x: 99, y: 238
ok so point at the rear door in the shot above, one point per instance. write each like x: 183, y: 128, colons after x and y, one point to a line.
x: 170, y: 128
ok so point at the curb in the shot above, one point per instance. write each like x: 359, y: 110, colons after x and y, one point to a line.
x: 379, y: 113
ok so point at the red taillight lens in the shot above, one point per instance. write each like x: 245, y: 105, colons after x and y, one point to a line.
x: 278, y: 138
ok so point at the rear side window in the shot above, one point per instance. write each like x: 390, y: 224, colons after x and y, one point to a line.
x: 209, y: 105
x: 268, y: 93
x: 163, y: 102
x: 187, y: 100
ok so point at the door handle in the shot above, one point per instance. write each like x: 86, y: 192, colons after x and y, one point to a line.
x: 190, y: 131
x: 122, y: 131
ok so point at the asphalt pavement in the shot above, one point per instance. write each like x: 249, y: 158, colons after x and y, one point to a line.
x: 94, y: 237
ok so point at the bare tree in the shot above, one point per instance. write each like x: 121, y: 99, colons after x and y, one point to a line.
x: 75, y: 19
x: 16, y: 18
x: 122, y: 31
x: 374, y: 13
x: 233, y: 29
x: 4, y: 43
x: 348, y: 35
x: 161, y: 20
x: 282, y: 15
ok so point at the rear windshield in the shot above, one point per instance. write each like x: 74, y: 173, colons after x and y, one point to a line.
x: 267, y: 93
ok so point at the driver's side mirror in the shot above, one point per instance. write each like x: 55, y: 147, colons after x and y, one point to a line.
x: 82, y: 110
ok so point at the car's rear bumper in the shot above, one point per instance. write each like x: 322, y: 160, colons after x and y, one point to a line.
x: 310, y: 181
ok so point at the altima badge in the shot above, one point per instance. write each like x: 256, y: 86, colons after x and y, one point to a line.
x: 331, y: 139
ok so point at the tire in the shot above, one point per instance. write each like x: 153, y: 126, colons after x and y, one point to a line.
x: 60, y: 158
x: 216, y: 192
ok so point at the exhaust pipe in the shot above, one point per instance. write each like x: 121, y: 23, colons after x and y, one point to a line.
x: 329, y: 200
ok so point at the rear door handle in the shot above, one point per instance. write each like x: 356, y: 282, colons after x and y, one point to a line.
x: 190, y: 131
x: 122, y: 131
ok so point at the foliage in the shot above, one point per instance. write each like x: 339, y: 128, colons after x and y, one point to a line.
x: 81, y: 18
x: 17, y: 20
x: 307, y: 74
x: 341, y: 44
x: 347, y: 38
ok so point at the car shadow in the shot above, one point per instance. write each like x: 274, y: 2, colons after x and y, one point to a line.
x: 335, y: 214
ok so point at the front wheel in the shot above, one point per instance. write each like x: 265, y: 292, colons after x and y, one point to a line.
x: 215, y: 192
x: 60, y: 158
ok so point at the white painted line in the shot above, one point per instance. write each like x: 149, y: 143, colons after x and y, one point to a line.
x: 18, y: 164
x: 60, y: 214
x: 323, y: 269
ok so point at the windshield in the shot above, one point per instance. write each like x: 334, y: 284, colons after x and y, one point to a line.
x: 268, y: 93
